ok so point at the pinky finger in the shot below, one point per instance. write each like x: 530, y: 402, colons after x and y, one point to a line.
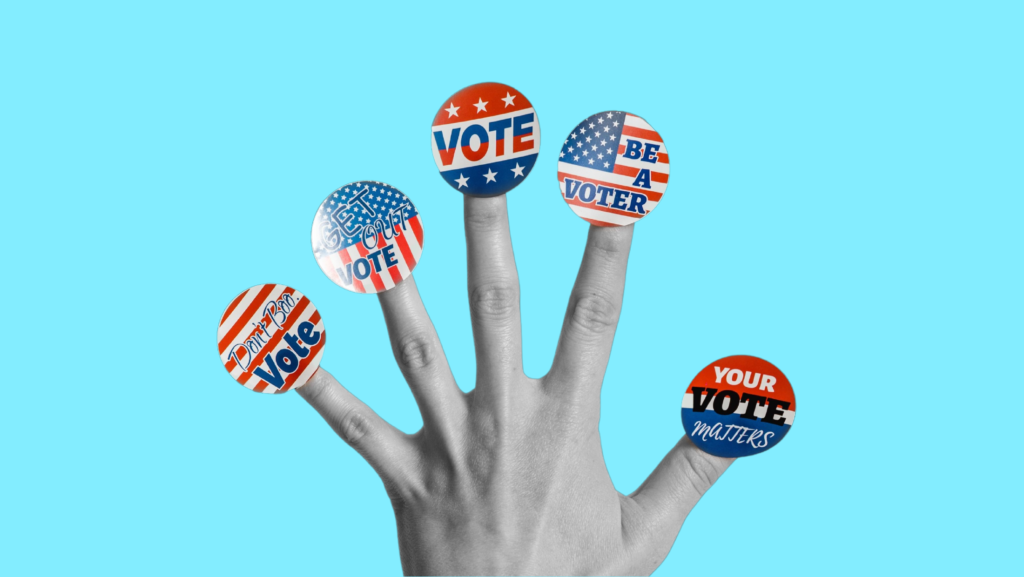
x: 388, y: 450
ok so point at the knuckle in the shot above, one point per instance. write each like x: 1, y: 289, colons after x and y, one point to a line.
x: 605, y: 246
x: 484, y: 218
x: 594, y: 314
x: 415, y: 351
x: 353, y: 427
x: 494, y: 300
x: 699, y: 472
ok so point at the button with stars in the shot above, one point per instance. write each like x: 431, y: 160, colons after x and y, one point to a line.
x: 271, y: 338
x: 367, y: 236
x: 613, y: 169
x: 485, y: 139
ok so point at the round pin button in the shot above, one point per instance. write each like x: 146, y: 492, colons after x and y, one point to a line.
x: 367, y: 236
x: 271, y: 338
x: 738, y: 406
x: 485, y: 139
x: 613, y: 169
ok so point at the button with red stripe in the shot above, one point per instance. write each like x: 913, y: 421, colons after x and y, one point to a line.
x: 271, y: 338
x: 367, y: 236
x: 738, y: 406
x: 613, y: 169
x: 485, y: 139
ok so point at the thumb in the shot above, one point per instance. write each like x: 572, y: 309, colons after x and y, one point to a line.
x: 677, y: 483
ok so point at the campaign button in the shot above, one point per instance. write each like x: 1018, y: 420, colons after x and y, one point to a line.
x: 738, y: 406
x: 485, y: 139
x: 271, y: 338
x: 613, y: 169
x: 367, y: 236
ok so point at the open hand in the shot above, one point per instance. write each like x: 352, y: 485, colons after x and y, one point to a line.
x: 510, y: 478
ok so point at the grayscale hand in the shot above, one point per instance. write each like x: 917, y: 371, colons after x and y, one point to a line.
x: 509, y: 478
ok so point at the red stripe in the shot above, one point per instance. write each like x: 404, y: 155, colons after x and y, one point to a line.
x: 246, y: 315
x: 313, y: 350
x: 231, y: 307
x: 608, y: 209
x: 418, y: 230
x: 403, y: 247
x: 269, y: 347
x: 632, y: 171
x: 650, y: 194
x: 347, y: 259
x: 396, y: 275
x: 641, y: 133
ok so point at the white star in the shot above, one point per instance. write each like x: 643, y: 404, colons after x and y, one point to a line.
x: 600, y: 121
x: 584, y: 153
x: 335, y: 195
x: 452, y: 110
x: 591, y: 124
x: 576, y: 158
x: 561, y: 155
x: 571, y: 149
x: 600, y: 156
x: 591, y: 161
x: 616, y: 123
x: 517, y: 171
x: 609, y: 115
x: 508, y: 100
x: 489, y: 175
x: 606, y: 129
x: 583, y: 131
x: 588, y: 139
x: 573, y: 135
x: 594, y: 147
x: 606, y: 165
x: 609, y: 151
x: 481, y: 106
x: 462, y: 180
x: 604, y: 142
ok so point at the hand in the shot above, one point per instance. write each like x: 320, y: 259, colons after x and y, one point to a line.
x: 509, y: 478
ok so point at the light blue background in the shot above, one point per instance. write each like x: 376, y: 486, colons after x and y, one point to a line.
x: 845, y: 201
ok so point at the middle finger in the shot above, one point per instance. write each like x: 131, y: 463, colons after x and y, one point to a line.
x: 493, y: 290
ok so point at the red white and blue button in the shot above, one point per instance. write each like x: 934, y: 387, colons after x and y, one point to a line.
x: 367, y: 236
x: 485, y: 139
x: 613, y: 169
x: 738, y: 406
x: 271, y: 338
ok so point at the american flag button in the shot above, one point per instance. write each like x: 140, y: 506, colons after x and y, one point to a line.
x: 485, y: 139
x: 271, y: 338
x: 367, y: 236
x: 613, y: 169
x: 738, y: 406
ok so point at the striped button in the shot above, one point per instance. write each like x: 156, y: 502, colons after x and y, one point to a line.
x: 271, y: 338
x: 367, y: 236
x: 738, y: 406
x: 613, y: 169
